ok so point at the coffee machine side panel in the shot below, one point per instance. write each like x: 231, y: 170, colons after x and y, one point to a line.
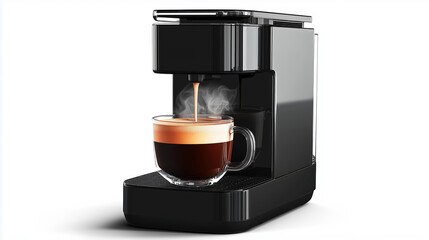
x: 293, y: 63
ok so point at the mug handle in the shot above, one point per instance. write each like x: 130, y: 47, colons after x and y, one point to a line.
x: 250, y: 149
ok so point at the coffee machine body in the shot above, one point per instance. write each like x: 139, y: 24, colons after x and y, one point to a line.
x: 268, y: 59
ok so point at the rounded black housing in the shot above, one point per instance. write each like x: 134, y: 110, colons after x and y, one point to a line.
x: 209, y: 48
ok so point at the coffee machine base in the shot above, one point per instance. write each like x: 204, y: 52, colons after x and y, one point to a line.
x: 235, y: 204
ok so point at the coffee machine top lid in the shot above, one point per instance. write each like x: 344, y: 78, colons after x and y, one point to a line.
x: 218, y: 15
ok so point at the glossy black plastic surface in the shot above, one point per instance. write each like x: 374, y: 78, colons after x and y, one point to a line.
x: 209, y: 48
x: 235, y: 204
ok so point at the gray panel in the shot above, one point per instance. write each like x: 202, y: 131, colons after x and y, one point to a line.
x: 293, y: 63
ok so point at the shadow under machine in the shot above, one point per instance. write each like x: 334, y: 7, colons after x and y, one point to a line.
x: 269, y: 59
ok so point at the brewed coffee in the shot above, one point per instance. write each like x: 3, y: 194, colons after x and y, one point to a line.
x: 193, y: 161
x: 193, y: 150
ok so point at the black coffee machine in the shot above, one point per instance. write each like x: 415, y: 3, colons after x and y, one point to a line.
x: 269, y: 59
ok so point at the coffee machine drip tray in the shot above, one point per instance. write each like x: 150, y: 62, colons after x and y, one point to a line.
x: 234, y: 204
x: 229, y: 182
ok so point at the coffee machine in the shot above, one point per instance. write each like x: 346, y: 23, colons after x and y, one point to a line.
x: 269, y: 59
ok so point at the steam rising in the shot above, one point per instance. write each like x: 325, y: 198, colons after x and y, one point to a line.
x: 212, y: 99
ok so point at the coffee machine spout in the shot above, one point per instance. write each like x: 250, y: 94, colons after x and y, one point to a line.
x: 201, y: 77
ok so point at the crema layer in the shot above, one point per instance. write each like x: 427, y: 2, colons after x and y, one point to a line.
x: 186, y: 131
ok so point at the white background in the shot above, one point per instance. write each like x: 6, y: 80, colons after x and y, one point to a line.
x: 78, y: 94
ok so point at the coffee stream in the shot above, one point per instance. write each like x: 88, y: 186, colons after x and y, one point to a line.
x: 196, y: 84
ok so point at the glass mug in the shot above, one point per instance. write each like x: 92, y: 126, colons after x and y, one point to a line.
x: 198, y: 154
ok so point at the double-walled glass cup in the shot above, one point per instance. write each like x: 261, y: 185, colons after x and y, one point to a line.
x: 198, y: 154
